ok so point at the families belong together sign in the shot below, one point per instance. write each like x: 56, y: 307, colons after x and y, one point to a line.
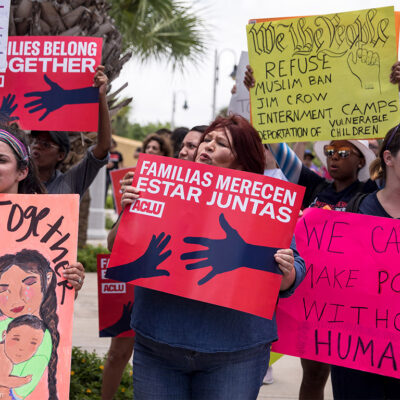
x: 206, y: 233
x: 48, y: 80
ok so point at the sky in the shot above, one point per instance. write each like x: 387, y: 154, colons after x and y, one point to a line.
x: 153, y: 85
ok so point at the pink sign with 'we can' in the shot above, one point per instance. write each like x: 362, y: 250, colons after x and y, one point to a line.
x: 347, y: 310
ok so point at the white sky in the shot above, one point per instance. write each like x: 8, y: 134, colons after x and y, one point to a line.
x: 152, y: 85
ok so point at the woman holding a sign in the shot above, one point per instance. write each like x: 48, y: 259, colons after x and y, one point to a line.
x: 27, y: 282
x: 187, y: 349
x: 349, y: 383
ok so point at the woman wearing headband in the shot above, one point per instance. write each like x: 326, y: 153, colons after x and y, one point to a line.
x: 17, y: 172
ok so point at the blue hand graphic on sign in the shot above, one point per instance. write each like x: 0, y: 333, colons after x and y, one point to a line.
x: 228, y: 254
x: 57, y: 97
x: 145, y: 266
x: 7, y: 108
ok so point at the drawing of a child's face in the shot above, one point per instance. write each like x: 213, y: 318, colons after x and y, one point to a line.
x: 20, y: 292
x: 21, y: 343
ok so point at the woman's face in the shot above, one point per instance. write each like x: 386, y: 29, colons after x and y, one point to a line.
x: 10, y: 176
x: 189, y: 145
x: 344, y: 168
x: 216, y: 150
x: 20, y: 292
x: 153, y: 147
x: 392, y: 165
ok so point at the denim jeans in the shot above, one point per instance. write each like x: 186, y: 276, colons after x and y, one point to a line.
x: 162, y: 372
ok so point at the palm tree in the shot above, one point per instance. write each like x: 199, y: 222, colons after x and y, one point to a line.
x: 150, y: 28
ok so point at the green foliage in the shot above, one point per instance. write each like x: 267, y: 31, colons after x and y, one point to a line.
x: 86, y: 376
x: 109, y: 202
x: 88, y: 256
x: 122, y: 127
x: 160, y: 29
x: 109, y: 222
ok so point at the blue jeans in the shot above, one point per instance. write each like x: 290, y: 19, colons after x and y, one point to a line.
x: 162, y: 372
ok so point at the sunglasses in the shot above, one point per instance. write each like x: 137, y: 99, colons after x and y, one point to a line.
x: 43, y: 144
x: 343, y: 151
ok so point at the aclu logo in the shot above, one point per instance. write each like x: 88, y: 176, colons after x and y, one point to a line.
x: 107, y: 288
x: 148, y: 207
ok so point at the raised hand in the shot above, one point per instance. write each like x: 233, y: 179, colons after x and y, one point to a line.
x: 50, y: 100
x: 365, y: 66
x: 122, y: 324
x: 145, y: 266
x: 7, y: 108
x: 228, y: 254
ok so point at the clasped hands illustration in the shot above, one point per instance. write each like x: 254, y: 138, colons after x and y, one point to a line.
x: 222, y: 255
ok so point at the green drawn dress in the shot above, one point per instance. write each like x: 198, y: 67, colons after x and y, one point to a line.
x: 35, y: 366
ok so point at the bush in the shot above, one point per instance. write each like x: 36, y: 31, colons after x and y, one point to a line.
x: 109, y: 222
x: 87, y: 255
x: 109, y: 202
x: 86, y: 376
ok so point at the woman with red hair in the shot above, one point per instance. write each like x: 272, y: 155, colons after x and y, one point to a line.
x: 187, y: 349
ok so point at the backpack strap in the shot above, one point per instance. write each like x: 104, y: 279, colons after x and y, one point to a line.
x: 354, y: 204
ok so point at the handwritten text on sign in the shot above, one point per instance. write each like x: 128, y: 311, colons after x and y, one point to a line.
x: 347, y: 311
x: 324, y: 77
x: 206, y: 233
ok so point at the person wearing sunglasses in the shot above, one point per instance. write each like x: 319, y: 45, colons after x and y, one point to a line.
x: 347, y: 162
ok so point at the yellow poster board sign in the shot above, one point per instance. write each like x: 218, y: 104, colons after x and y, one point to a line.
x: 324, y: 77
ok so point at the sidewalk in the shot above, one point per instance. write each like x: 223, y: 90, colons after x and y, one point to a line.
x: 287, y: 371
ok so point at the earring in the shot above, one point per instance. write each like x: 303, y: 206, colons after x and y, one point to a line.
x: 359, y: 166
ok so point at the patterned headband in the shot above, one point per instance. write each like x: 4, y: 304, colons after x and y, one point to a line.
x: 15, y: 144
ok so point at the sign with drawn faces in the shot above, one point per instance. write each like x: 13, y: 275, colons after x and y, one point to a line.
x: 206, y: 233
x: 324, y: 77
x: 38, y: 241
x: 48, y: 83
x: 346, y: 312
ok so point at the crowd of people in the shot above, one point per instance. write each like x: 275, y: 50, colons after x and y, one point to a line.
x: 186, y: 349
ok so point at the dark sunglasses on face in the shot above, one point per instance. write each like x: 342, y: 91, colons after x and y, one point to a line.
x: 42, y: 143
x: 343, y: 151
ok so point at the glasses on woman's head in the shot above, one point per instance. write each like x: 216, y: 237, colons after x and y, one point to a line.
x: 43, y: 143
x: 342, y: 151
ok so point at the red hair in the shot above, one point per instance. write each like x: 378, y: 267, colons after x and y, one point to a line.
x: 247, y: 146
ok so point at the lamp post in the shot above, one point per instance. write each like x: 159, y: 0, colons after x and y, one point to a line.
x: 217, y: 57
x: 185, y: 106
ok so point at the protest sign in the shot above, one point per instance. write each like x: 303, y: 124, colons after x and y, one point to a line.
x: 324, y: 77
x: 206, y: 233
x: 36, y: 301
x: 346, y: 311
x: 115, y: 303
x: 116, y: 175
x: 240, y: 101
x: 48, y: 83
x: 4, y: 20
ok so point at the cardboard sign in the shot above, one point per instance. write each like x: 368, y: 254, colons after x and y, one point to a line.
x: 115, y: 303
x: 36, y: 301
x: 324, y: 77
x: 206, y: 233
x: 240, y: 101
x: 4, y: 21
x: 346, y: 311
x: 48, y: 80
x: 116, y: 175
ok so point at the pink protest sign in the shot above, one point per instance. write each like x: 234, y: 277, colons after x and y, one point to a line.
x: 347, y: 310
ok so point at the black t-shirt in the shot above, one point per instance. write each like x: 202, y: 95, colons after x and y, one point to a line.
x: 371, y: 206
x: 327, y: 196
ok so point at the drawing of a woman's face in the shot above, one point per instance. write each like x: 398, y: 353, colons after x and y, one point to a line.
x: 20, y: 292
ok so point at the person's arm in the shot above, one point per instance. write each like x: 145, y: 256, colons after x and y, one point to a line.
x: 287, y: 160
x: 103, y: 145
x: 293, y: 268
